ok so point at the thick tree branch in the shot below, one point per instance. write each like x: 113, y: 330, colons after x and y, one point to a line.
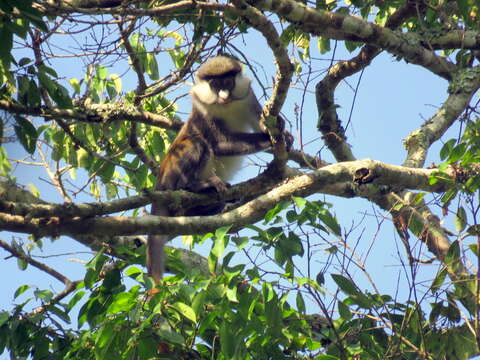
x: 345, y: 27
x: 357, y: 172
x: 419, y: 141
x: 66, y: 7
x: 16, y: 201
x: 455, y: 39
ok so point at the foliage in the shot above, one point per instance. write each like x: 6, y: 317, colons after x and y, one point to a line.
x: 98, y: 112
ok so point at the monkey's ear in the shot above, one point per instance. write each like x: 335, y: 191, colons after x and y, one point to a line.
x: 242, y: 87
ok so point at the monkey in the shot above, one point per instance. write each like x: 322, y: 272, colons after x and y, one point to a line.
x: 208, y: 149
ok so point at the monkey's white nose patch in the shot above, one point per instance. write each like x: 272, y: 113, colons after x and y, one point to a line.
x: 223, y: 96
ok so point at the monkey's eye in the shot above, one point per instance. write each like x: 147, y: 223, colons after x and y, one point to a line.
x: 228, y: 83
x: 222, y: 83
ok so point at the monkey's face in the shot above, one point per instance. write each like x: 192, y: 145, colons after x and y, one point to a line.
x: 222, y: 86
x: 221, y: 90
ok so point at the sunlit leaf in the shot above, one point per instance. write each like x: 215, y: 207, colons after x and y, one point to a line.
x: 20, y: 290
x: 185, y: 311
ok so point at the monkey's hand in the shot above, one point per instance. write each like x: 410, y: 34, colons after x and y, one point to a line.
x: 280, y: 126
x: 213, y: 182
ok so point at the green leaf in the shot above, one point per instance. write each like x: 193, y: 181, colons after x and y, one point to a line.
x: 346, y: 285
x: 117, y: 82
x: 292, y: 216
x: 351, y: 45
x: 449, y: 195
x: 447, y: 148
x: 48, y: 70
x: 133, y: 272
x: 439, y: 280
x: 56, y: 91
x: 27, y: 134
x: 23, y: 83
x: 106, y: 172
x: 227, y: 340
x: 102, y: 72
x: 279, y: 207
x: 45, y: 295
x: 97, y: 262
x: 33, y: 94
x: 300, y: 302
x: 22, y: 264
x: 185, y: 311
x: 60, y: 313
x: 171, y: 337
x: 4, y: 316
x: 111, y: 91
x: 329, y: 220
x: 21, y: 290
x: 84, y: 160
x: 158, y: 143
x: 457, y: 153
x: 323, y: 45
x: 344, y: 311
x: 460, y: 220
x: 220, y: 241
x: 198, y: 303
x: 267, y: 292
x: 122, y: 302
x: 300, y: 202
x: 24, y: 61
x: 152, y: 66
x: 291, y: 245
x: 105, y: 335
x: 221, y: 232
x: 32, y: 14
x: 452, y: 259
x: 75, y: 85
x: 75, y: 299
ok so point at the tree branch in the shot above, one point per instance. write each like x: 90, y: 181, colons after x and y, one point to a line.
x: 94, y: 113
x: 21, y: 255
x: 346, y: 27
x: 357, y: 173
x: 419, y: 141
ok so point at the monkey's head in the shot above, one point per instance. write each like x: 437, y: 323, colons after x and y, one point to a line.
x: 220, y: 81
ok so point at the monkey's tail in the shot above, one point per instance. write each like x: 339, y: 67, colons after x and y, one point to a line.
x: 155, y: 249
x: 156, y: 256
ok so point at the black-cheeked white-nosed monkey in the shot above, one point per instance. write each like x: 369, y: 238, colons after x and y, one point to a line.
x: 207, y: 151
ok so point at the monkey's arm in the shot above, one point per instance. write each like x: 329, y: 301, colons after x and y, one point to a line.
x: 241, y: 144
